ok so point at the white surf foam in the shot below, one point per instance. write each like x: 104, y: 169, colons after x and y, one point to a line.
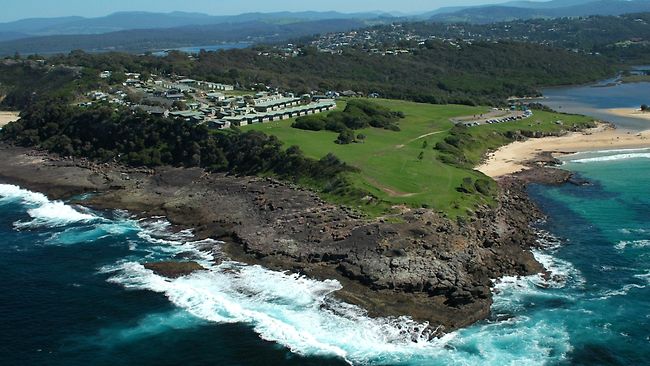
x: 621, y: 291
x: 300, y: 314
x: 54, y: 214
x: 619, y: 151
x: 42, y: 211
x: 644, y: 276
x: 12, y: 193
x: 627, y: 231
x: 633, y: 244
x: 611, y: 158
x: 294, y: 311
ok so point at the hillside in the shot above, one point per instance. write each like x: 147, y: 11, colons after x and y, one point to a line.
x: 626, y: 38
x: 389, y: 162
x: 121, y: 21
x: 156, y: 39
x: 531, y: 10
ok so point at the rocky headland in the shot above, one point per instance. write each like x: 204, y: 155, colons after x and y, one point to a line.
x: 415, y: 263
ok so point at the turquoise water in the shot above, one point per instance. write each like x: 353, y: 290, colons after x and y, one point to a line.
x: 74, y: 292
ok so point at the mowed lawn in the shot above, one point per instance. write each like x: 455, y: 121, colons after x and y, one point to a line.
x: 388, y: 160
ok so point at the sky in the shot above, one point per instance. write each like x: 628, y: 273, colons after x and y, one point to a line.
x: 20, y: 9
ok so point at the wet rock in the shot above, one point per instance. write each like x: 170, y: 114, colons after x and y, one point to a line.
x: 174, y: 269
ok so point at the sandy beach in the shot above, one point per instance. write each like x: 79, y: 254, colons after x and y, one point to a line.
x: 630, y: 112
x: 6, y: 117
x: 514, y: 157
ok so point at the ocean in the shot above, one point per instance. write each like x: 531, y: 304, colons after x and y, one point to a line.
x: 74, y: 291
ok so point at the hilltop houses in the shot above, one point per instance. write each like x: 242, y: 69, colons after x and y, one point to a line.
x: 254, y: 117
x: 204, y: 102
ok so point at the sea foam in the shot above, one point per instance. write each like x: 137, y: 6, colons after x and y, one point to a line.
x: 614, y: 157
x: 42, y: 211
x: 634, y: 244
x: 302, y: 314
x: 294, y: 311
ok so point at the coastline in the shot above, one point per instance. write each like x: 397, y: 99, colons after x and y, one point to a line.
x: 522, y: 155
x: 427, y: 267
x: 8, y: 117
x: 630, y: 113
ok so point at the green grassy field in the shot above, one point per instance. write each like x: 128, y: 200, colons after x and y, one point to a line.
x: 388, y: 160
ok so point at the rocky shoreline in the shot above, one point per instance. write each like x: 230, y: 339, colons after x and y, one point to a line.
x: 416, y: 263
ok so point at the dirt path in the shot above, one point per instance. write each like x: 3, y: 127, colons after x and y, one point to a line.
x: 391, y: 192
x: 419, y: 138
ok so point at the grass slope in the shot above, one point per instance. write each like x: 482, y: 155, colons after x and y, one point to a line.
x: 388, y: 160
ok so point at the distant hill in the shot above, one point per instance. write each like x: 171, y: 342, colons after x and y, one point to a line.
x: 553, y: 4
x: 552, y: 9
x: 8, y: 36
x: 141, y: 40
x: 145, y: 20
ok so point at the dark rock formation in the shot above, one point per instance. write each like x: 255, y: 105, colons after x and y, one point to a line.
x: 174, y: 269
x: 418, y: 263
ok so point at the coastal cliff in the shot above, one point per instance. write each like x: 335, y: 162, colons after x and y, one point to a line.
x: 415, y: 263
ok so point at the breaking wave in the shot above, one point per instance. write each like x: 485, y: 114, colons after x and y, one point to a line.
x: 44, y: 213
x: 634, y: 244
x: 301, y: 313
x: 614, y: 157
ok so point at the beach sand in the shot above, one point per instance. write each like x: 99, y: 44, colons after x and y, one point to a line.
x: 6, y: 117
x: 513, y: 158
x: 630, y: 113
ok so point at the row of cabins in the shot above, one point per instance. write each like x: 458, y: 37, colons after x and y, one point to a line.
x: 280, y: 114
x: 207, y: 85
x: 245, y: 116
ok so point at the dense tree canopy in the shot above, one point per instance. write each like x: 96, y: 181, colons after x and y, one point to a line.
x: 358, y: 114
x: 139, y: 139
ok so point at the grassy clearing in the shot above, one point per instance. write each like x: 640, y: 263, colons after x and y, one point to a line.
x: 390, y: 168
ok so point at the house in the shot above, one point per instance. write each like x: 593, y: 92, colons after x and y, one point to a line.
x: 105, y: 74
x: 97, y: 95
x: 216, y: 97
x: 174, y: 96
x: 132, y: 82
x: 218, y: 124
x: 236, y: 120
x: 154, y: 110
x: 194, y: 116
x: 275, y: 102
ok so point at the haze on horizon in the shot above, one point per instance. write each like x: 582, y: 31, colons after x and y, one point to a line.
x: 15, y: 10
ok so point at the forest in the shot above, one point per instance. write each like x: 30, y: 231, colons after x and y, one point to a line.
x: 483, y: 73
x: 138, y: 139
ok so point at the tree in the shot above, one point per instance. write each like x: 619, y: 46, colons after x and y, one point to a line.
x: 117, y: 78
x: 421, y: 155
x: 179, y: 105
x: 645, y: 107
x: 425, y: 144
x: 345, y: 137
